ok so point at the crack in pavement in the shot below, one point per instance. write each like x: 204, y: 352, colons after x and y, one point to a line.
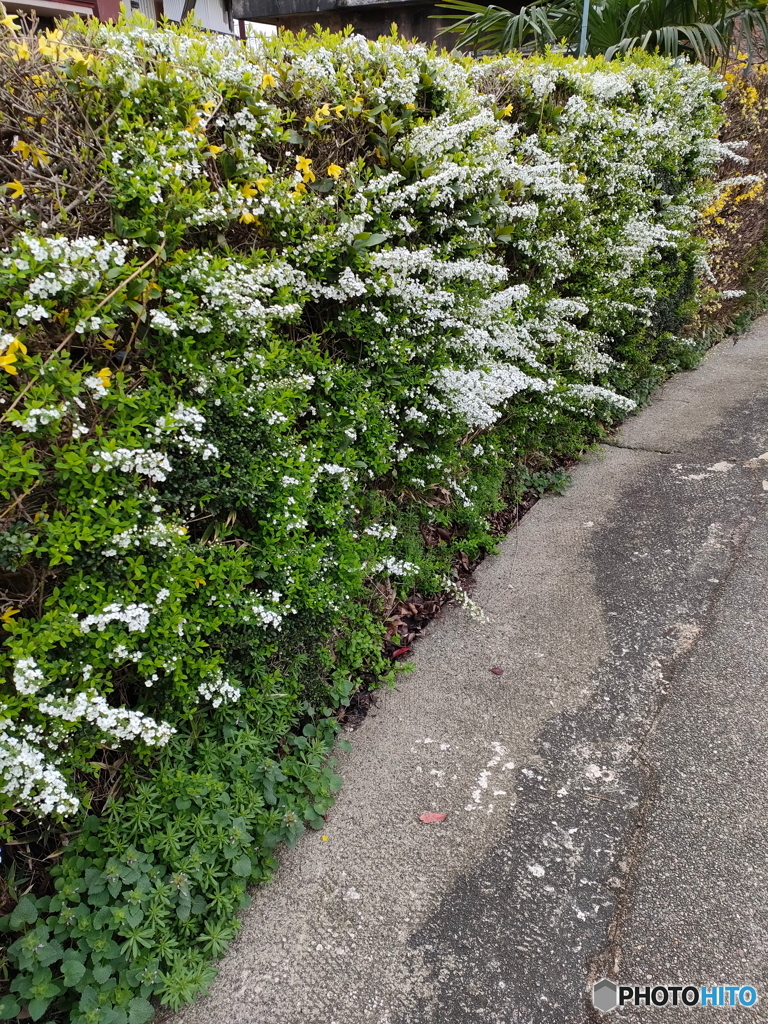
x: 608, y: 961
x: 640, y: 448
x: 520, y: 936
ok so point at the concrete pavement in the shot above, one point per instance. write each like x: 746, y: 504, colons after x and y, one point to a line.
x: 607, y: 795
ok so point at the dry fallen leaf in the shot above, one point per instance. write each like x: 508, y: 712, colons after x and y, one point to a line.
x: 431, y: 816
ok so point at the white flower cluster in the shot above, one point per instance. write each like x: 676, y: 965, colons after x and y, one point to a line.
x: 268, y: 614
x: 27, y: 676
x: 144, y: 461
x: 218, y: 690
x: 114, y: 723
x: 381, y: 531
x: 75, y: 266
x: 187, y: 423
x: 26, y: 774
x: 395, y: 567
x: 466, y: 602
x: 479, y: 396
x: 134, y: 616
x: 35, y: 417
x: 588, y: 394
x: 238, y: 296
x: 97, y: 386
x: 159, y: 533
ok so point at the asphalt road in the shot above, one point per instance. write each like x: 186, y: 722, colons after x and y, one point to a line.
x: 607, y: 795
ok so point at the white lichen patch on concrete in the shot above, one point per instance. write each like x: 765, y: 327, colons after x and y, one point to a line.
x: 483, y: 780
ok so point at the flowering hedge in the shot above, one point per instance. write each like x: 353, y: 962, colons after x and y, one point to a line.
x: 267, y: 312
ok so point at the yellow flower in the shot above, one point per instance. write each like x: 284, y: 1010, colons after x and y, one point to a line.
x: 105, y: 376
x: 299, y: 189
x: 248, y: 218
x: 358, y: 100
x: 28, y: 151
x: 410, y: 106
x: 334, y: 170
x: 22, y: 51
x: 339, y: 109
x: 268, y: 81
x: 507, y: 110
x: 261, y: 184
x: 16, y: 187
x: 8, y: 20
x: 199, y: 581
x: 109, y: 344
x: 8, y: 614
x: 50, y: 44
x: 215, y: 149
x: 209, y: 106
x: 249, y: 190
x: 304, y: 166
x: 10, y: 355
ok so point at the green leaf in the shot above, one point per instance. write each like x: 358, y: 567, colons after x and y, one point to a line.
x: 9, y: 1008
x: 25, y: 912
x: 242, y: 866
x: 227, y: 165
x: 50, y: 952
x: 73, y: 971
x: 199, y: 904
x: 89, y: 1000
x: 102, y: 973
x: 139, y: 1011
x: 365, y: 240
x: 37, y: 1007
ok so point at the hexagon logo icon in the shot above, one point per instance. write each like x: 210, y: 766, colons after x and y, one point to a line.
x: 605, y: 995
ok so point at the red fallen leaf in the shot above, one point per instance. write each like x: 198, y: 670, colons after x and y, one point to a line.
x: 431, y: 816
x: 497, y: 671
x: 399, y: 651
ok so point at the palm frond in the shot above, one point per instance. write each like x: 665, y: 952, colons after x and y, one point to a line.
x: 704, y: 29
x: 537, y: 25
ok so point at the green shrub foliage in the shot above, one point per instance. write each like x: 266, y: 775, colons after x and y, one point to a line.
x: 269, y: 309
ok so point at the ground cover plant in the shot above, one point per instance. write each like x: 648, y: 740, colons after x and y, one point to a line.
x: 280, y: 327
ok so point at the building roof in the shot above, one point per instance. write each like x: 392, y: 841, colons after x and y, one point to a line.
x: 254, y: 10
